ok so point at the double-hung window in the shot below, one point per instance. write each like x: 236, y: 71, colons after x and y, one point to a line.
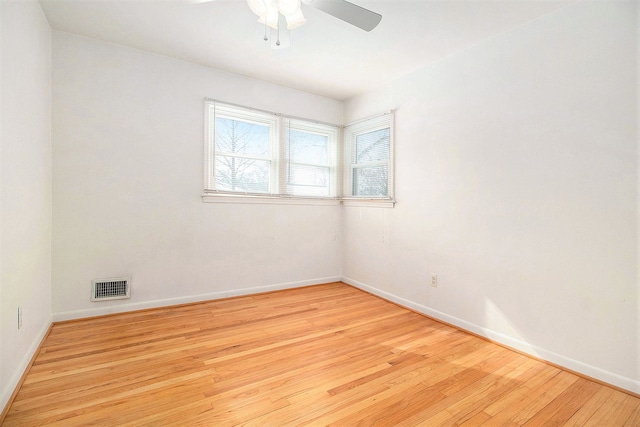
x: 310, y: 159
x: 242, y: 145
x: 368, y: 147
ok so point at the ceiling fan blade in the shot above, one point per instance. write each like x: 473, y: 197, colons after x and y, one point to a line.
x: 348, y: 12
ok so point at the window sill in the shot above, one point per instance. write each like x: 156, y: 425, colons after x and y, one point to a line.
x: 245, y: 199
x: 232, y: 198
x: 369, y: 203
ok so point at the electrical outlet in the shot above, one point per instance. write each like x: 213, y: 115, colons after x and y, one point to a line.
x: 434, y: 280
x: 19, y: 317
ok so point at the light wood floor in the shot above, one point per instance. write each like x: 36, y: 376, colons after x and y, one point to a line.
x: 321, y: 355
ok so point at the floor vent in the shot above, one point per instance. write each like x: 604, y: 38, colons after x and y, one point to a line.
x: 108, y: 289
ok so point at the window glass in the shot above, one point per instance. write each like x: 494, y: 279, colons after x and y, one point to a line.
x: 235, y: 136
x: 308, y: 147
x: 372, y: 146
x: 309, y: 171
x: 371, y: 181
x: 242, y: 174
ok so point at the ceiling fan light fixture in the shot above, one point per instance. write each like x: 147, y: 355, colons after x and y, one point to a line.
x: 292, y: 12
x: 267, y: 11
x: 288, y: 7
x: 295, y: 20
x: 272, y: 16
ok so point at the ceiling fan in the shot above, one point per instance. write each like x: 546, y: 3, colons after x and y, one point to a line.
x: 348, y: 12
x: 268, y: 12
x: 280, y: 14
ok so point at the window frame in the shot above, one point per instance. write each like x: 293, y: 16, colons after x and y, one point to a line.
x: 351, y: 132
x: 331, y: 132
x: 240, y: 114
x: 278, y: 125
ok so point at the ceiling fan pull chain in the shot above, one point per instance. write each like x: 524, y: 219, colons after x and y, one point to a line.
x: 265, y: 32
x: 278, y: 41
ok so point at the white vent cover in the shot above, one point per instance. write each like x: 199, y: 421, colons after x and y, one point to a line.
x: 108, y: 289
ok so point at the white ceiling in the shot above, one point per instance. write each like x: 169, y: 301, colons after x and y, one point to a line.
x: 327, y: 56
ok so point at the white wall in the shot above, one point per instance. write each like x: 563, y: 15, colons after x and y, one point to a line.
x: 128, y: 176
x: 516, y: 181
x: 25, y: 178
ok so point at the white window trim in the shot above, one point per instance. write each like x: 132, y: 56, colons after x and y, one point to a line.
x: 333, y: 133
x: 268, y: 199
x: 260, y: 117
x: 353, y: 129
x: 370, y: 203
x: 342, y: 171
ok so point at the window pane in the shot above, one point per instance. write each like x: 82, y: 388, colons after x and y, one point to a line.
x: 307, y: 147
x: 241, y: 137
x: 308, y: 180
x: 240, y: 174
x: 371, y: 181
x: 372, y: 146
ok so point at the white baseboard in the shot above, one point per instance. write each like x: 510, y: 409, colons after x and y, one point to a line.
x: 122, y: 308
x: 8, y: 388
x: 574, y: 365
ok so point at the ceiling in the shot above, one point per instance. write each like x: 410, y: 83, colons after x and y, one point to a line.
x: 326, y: 56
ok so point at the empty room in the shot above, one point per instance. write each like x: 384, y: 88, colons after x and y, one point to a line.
x: 319, y: 212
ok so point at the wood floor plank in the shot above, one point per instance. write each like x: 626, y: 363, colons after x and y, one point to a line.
x: 564, y: 406
x: 584, y: 414
x: 321, y: 355
x: 634, y: 418
x: 541, y: 396
x: 502, y: 411
x: 470, y: 400
x: 615, y: 410
x: 433, y: 381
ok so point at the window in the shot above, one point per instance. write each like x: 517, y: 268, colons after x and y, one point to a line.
x: 256, y: 153
x: 243, y: 145
x: 369, y: 158
x: 310, y: 159
x: 257, y: 156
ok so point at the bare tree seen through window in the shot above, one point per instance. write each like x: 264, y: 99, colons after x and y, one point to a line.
x: 242, y: 155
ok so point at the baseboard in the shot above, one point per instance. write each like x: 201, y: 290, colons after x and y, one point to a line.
x: 11, y: 388
x: 592, y: 372
x: 122, y: 308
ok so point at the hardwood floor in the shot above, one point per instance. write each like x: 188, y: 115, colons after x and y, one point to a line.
x: 322, y: 355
